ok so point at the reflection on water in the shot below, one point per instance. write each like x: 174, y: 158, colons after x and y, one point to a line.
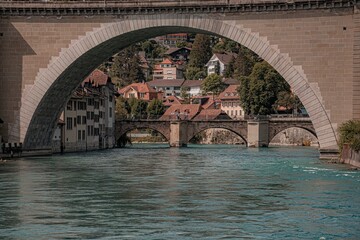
x: 204, y: 192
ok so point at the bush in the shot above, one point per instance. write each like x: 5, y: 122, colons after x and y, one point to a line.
x: 350, y: 134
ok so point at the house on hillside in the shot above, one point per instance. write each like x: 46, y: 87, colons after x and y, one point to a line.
x: 218, y: 62
x: 167, y: 69
x: 230, y: 102
x: 193, y: 86
x: 168, y: 87
x: 141, y: 91
x: 178, y: 54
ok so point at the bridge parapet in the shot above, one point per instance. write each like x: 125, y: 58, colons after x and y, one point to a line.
x: 96, y: 7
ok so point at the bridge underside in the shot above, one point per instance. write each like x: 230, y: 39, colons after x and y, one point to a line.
x: 314, y: 50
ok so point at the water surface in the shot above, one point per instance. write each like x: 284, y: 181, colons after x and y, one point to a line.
x: 200, y: 192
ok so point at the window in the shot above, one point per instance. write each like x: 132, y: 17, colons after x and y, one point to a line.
x: 235, y: 112
x: 74, y: 121
x: 131, y: 95
x: 83, y: 134
x: 78, y: 120
x: 96, y: 105
x: 79, y: 135
x: 232, y: 112
x: 69, y: 123
x: 91, y: 102
x: 92, y: 130
x: 101, y: 102
x: 142, y: 95
x: 88, y: 115
x: 96, y: 118
x: 92, y: 115
x: 88, y: 130
x: 96, y: 131
x: 110, y: 98
x: 84, y: 120
x: 69, y: 106
x: 110, y: 112
x: 74, y: 105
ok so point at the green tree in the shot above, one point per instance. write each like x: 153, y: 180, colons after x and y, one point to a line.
x: 138, y: 108
x: 184, y: 94
x: 155, y: 108
x: 123, y: 108
x: 260, y: 89
x: 213, y: 83
x: 288, y: 100
x: 200, y: 52
x: 126, y: 67
x: 195, y: 73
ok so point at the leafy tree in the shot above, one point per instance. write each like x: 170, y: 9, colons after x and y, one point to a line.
x: 123, y: 108
x: 259, y: 91
x: 350, y: 133
x: 225, y: 45
x: 155, y: 108
x: 181, y: 44
x: 200, y: 52
x: 288, y: 100
x: 184, y: 94
x: 126, y: 68
x: 213, y: 83
x: 195, y: 73
x: 138, y: 108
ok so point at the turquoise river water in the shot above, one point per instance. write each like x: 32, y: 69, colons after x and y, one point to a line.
x: 199, y: 192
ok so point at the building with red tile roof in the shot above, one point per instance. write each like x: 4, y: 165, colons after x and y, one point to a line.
x: 141, y: 91
x: 181, y: 111
x: 171, y: 100
x: 230, y: 102
x: 211, y: 114
x: 167, y: 69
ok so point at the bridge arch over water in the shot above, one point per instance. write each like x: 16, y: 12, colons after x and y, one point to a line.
x: 40, y: 106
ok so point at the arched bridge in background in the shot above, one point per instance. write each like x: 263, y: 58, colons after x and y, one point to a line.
x: 255, y: 132
x: 48, y: 48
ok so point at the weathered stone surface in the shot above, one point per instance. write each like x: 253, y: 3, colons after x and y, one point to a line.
x: 47, y: 57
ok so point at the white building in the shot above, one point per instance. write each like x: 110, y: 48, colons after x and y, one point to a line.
x: 193, y: 86
x: 218, y: 63
x: 88, y: 117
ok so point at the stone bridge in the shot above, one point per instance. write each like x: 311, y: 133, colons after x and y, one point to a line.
x: 47, y: 48
x: 254, y: 132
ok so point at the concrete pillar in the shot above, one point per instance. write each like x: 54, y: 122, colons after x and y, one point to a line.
x: 178, y: 133
x: 258, y: 133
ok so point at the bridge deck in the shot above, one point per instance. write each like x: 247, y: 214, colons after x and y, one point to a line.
x: 96, y: 7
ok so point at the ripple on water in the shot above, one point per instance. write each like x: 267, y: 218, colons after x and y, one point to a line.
x: 204, y: 192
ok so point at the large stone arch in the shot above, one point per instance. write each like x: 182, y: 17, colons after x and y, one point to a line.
x: 40, y: 105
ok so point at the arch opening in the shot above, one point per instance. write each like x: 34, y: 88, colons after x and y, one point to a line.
x: 141, y: 135
x: 221, y: 135
x: 294, y: 136
x: 73, y: 64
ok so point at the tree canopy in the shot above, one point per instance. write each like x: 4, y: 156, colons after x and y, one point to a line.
x: 259, y: 91
x: 126, y: 68
x: 213, y: 83
x: 199, y: 56
x: 155, y: 108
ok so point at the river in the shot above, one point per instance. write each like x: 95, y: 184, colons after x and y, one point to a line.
x: 199, y: 192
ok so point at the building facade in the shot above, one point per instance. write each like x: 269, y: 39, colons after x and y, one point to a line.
x: 167, y: 70
x: 230, y: 102
x: 88, y: 119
